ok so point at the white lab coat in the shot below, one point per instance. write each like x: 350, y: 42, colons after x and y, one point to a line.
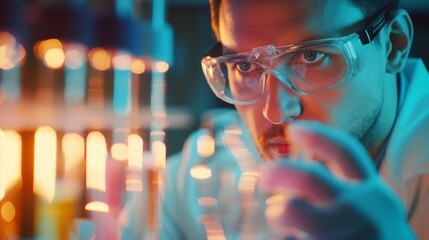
x: 405, y: 167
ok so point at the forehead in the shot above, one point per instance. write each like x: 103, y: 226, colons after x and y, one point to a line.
x: 244, y: 24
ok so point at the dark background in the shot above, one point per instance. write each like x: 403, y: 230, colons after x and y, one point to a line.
x: 187, y: 89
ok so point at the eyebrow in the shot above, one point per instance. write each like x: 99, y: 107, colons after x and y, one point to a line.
x: 226, y: 51
x: 221, y: 49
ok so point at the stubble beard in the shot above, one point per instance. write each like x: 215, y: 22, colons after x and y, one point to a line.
x: 263, y: 140
x: 359, y: 127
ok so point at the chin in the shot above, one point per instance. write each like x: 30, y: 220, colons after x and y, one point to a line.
x: 264, y: 155
x: 268, y: 155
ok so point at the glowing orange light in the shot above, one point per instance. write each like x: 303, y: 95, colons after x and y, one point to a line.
x: 97, y: 206
x: 2, y: 167
x: 233, y: 131
x: 206, y: 146
x: 54, y: 58
x: 275, y: 206
x: 216, y: 236
x: 133, y: 184
x: 159, y: 153
x: 6, y: 38
x: 161, y: 67
x: 45, y: 153
x: 11, y: 53
x: 51, y: 52
x: 73, y: 147
x: 157, y: 133
x: 122, y: 61
x: 41, y: 47
x: 275, y: 199
x: 207, y: 201
x: 201, y: 172
x: 10, y: 159
x: 5, y: 59
x: 119, y: 151
x: 100, y: 59
x: 213, y: 228
x: 8, y: 211
x: 138, y: 66
x: 135, y: 163
x: 135, y: 152
x: 96, y: 161
x: 248, y: 182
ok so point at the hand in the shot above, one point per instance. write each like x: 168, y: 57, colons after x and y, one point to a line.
x: 340, y: 197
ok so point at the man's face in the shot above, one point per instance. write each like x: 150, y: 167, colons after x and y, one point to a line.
x: 355, y: 107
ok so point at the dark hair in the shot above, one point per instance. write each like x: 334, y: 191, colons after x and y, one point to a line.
x: 369, y: 7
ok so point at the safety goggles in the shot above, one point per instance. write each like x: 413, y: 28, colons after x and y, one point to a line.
x: 307, y: 67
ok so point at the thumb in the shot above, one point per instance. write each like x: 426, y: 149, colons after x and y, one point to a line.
x: 342, y: 153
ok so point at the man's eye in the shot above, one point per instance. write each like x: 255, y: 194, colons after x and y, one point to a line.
x: 310, y: 56
x: 246, y: 67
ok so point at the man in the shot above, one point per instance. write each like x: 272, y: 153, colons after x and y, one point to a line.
x: 325, y: 88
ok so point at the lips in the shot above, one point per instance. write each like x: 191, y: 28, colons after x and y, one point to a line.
x: 281, y: 148
x: 273, y: 143
x: 278, y: 148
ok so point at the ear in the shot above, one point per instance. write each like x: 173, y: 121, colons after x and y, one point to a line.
x: 400, y: 36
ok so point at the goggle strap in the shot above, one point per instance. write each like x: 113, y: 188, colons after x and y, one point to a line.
x: 374, y: 27
x: 215, y: 50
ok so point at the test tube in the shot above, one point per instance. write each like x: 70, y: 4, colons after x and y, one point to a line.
x: 122, y: 80
x: 75, y: 72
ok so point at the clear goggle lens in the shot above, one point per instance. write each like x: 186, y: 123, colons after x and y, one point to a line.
x: 307, y: 68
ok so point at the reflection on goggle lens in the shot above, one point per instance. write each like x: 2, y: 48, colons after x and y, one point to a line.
x: 308, y: 68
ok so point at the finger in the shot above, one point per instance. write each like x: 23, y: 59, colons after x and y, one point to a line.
x: 310, y: 179
x: 336, y: 149
x: 327, y: 222
x: 284, y: 223
x: 299, y: 214
x: 313, y: 220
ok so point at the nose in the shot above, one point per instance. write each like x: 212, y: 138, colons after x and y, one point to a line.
x: 281, y: 104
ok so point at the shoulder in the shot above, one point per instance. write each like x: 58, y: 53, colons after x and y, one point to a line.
x: 408, y: 151
x: 413, y: 118
x: 414, y: 114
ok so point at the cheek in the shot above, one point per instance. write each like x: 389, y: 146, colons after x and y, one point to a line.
x: 340, y: 105
x: 321, y: 107
x: 359, y: 99
x: 369, y: 83
x: 365, y: 88
x: 335, y: 107
x: 253, y: 118
x: 249, y: 115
